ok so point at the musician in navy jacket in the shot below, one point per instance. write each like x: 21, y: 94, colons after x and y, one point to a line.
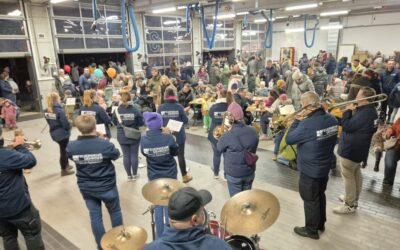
x: 232, y: 144
x: 95, y: 172
x: 171, y: 109
x: 59, y: 129
x: 131, y: 117
x: 159, y: 149
x: 216, y: 112
x: 90, y: 107
x: 315, y: 133
x: 354, y: 144
x: 17, y: 211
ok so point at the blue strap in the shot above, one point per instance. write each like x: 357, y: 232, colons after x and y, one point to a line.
x: 131, y: 12
x: 314, y: 31
x: 210, y: 42
x: 268, y: 33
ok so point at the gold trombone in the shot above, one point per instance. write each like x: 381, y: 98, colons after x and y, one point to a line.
x: 375, y: 99
x: 226, y: 125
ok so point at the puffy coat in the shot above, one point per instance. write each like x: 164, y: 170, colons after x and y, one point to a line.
x: 320, y: 80
x: 299, y: 89
x: 215, y: 75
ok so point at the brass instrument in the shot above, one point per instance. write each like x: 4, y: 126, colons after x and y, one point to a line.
x: 226, y: 125
x: 32, y: 145
x: 283, y: 121
x: 375, y: 99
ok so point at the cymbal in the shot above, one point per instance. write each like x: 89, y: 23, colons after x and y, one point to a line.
x: 158, y: 191
x: 250, y: 212
x: 124, y: 238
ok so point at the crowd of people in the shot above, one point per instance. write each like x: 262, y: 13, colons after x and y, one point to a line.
x: 220, y: 93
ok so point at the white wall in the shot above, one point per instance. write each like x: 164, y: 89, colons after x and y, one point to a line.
x: 380, y: 32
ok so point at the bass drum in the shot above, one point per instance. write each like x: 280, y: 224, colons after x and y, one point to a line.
x: 238, y: 242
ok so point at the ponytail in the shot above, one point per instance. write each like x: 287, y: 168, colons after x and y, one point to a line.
x: 88, y: 96
x: 229, y: 97
x: 52, y: 99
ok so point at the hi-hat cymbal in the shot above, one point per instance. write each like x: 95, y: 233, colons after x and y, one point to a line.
x: 158, y: 191
x: 250, y: 212
x: 124, y: 238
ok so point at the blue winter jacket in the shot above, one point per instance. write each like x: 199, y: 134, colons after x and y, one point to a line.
x: 216, y: 113
x: 315, y: 137
x: 58, y: 123
x: 6, y: 91
x: 130, y: 117
x: 159, y: 150
x: 187, y: 239
x: 358, y: 130
x: 330, y: 66
x: 100, y: 114
x: 85, y: 83
x: 173, y: 110
x: 234, y: 160
x: 14, y: 194
x: 93, y: 158
x: 389, y: 79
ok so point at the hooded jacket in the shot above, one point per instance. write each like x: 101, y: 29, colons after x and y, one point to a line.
x: 93, y: 158
x: 303, y: 64
x: 159, y: 150
x: 358, y: 130
x: 187, y: 239
x: 130, y: 117
x: 234, y: 159
x: 14, y: 194
x: 320, y: 80
x: 299, y: 89
x: 173, y: 110
x: 58, y: 123
x: 315, y: 137
x: 185, y: 98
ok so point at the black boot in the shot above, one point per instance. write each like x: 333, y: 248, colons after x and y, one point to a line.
x: 302, y: 231
x: 378, y: 156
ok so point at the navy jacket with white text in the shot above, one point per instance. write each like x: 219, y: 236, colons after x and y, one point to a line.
x: 58, y: 123
x: 315, y: 137
x: 173, y: 110
x: 130, y: 117
x: 216, y: 114
x: 100, y: 114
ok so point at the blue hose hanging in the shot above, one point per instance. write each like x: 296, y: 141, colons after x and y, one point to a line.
x: 268, y: 33
x: 131, y: 12
x: 210, y: 43
x: 314, y: 31
x: 188, y: 18
x: 94, y: 10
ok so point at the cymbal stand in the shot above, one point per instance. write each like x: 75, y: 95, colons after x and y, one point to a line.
x: 256, y: 240
x: 153, y: 225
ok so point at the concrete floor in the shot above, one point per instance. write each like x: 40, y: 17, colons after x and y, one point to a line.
x: 376, y: 224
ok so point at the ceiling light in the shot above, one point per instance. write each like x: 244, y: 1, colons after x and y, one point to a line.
x: 302, y: 7
x: 249, y: 33
x: 294, y: 30
x: 262, y: 20
x: 280, y: 17
x: 14, y: 13
x: 378, y: 7
x: 170, y: 9
x: 112, y: 18
x: 57, y: 1
x: 242, y: 13
x: 332, y: 27
x: 335, y: 13
x: 171, y: 22
x: 181, y: 7
x: 347, y: 0
x: 225, y: 16
x: 295, y: 16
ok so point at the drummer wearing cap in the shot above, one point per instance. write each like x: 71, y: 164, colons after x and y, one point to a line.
x: 186, y: 231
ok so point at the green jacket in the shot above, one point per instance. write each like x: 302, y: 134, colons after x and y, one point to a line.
x: 288, y: 152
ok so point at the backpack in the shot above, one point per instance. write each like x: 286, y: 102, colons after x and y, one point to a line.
x: 68, y: 85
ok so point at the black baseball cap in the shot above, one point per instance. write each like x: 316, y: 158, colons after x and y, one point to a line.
x: 187, y: 201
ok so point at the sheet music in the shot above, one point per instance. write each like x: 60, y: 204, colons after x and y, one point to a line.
x: 174, y: 125
x: 101, y: 128
x: 70, y: 102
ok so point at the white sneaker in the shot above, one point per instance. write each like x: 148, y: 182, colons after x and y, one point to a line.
x: 141, y: 165
x: 135, y: 177
x: 187, y: 169
x: 344, y: 209
x: 341, y: 198
x: 130, y: 178
x: 216, y: 177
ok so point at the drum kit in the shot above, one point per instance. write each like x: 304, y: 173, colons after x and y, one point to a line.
x: 243, y: 217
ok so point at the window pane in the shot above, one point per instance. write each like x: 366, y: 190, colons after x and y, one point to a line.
x: 229, y: 44
x: 116, y: 43
x: 168, y: 60
x: 156, y: 61
x: 170, y: 48
x: 219, y: 44
x: 152, y: 21
x: 245, y: 46
x: 155, y: 48
x: 113, y: 15
x: 68, y: 27
x: 13, y: 46
x: 88, y: 13
x: 66, y: 11
x: 70, y: 43
x: 153, y: 35
x: 114, y: 28
x: 183, y: 36
x: 101, y: 29
x: 169, y: 22
x: 229, y: 24
x: 169, y: 35
x: 12, y: 27
x: 185, y: 48
x: 92, y: 43
x: 184, y: 59
x: 15, y: 8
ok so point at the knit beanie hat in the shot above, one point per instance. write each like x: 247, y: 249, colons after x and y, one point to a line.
x: 280, y: 83
x: 283, y: 97
x: 297, y: 75
x: 153, y: 120
x: 236, y: 111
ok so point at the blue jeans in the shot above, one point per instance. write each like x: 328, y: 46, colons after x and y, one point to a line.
x: 216, y: 159
x: 283, y: 161
x: 131, y: 155
x: 237, y: 185
x: 277, y: 141
x: 392, y: 156
x: 264, y: 122
x: 93, y: 202
x: 161, y: 218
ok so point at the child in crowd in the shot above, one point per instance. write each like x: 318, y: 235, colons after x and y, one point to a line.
x: 206, y: 103
x: 9, y: 114
x: 262, y: 90
x: 69, y: 109
x: 377, y: 144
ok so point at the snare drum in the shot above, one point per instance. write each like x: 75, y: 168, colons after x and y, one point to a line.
x: 238, y: 242
x: 215, y: 228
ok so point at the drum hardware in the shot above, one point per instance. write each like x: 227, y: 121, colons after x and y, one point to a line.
x: 32, y: 145
x: 153, y: 225
x: 124, y: 238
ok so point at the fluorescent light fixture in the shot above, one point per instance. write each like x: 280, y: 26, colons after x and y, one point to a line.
x: 210, y: 25
x: 302, y: 7
x: 112, y: 18
x: 169, y: 9
x: 249, y: 33
x: 14, y: 13
x: 331, y: 27
x: 242, y: 13
x: 335, y: 13
x: 57, y: 1
x: 347, y: 0
x: 225, y: 16
x: 294, y: 30
x: 262, y: 20
x: 281, y: 17
x: 296, y: 16
x: 181, y: 7
x: 171, y: 22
